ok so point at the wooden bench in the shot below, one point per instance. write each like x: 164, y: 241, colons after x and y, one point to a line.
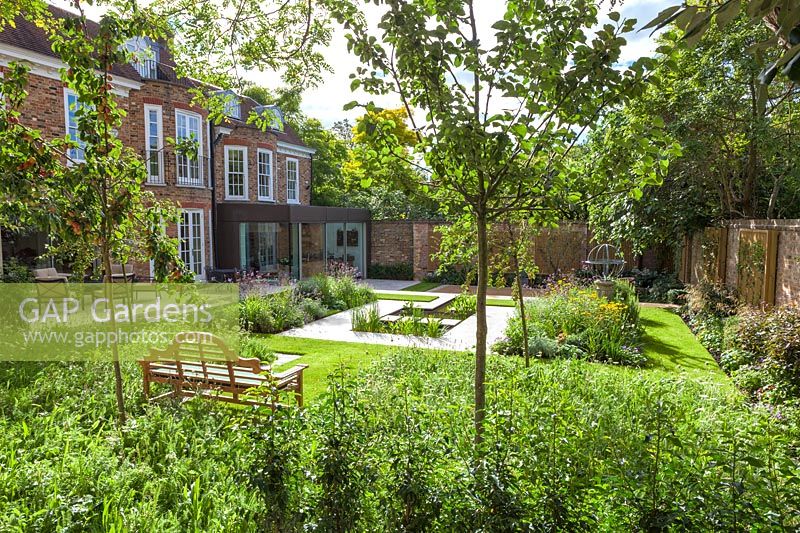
x: 200, y: 364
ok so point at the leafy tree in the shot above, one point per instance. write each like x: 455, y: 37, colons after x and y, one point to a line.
x: 782, y: 17
x: 89, y: 193
x: 219, y: 40
x: 386, y: 184
x: 734, y: 163
x: 502, y: 111
x: 370, y: 134
x: 286, y: 98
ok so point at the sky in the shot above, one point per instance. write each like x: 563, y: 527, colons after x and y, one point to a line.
x: 325, y: 102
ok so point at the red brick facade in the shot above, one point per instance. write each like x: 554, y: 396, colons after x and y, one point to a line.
x: 45, y: 110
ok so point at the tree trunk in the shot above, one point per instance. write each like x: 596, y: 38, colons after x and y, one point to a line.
x: 773, y: 198
x: 106, y: 259
x: 480, y: 333
x: 749, y: 187
x: 521, y: 304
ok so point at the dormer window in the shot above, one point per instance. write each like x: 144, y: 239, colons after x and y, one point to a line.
x: 232, y: 104
x: 145, y: 56
x: 272, y: 114
x: 233, y: 109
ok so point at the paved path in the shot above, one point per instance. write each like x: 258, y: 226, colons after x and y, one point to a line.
x: 338, y: 327
x: 388, y: 284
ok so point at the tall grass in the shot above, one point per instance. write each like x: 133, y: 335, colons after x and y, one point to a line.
x: 570, y: 446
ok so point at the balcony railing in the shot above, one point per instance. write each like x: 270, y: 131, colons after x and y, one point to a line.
x: 168, y: 168
x: 147, y: 68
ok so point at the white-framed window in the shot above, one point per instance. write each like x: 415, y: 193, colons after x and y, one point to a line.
x: 71, y: 107
x: 236, y: 173
x: 292, y: 181
x: 145, y: 56
x: 188, y: 125
x: 233, y: 107
x: 154, y: 144
x: 191, y: 236
x: 265, y: 175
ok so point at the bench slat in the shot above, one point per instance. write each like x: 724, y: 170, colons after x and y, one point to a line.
x: 205, y: 366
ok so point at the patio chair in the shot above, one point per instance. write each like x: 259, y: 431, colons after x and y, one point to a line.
x: 49, y: 275
x: 122, y: 272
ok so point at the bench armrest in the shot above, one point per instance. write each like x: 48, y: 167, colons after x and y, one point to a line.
x: 295, y: 370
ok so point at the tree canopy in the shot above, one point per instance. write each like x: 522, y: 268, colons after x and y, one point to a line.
x: 499, y: 113
x: 736, y: 159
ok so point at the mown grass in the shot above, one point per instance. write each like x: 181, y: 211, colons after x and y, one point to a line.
x: 500, y: 302
x: 422, y: 286
x: 323, y: 357
x: 405, y: 297
x: 671, y: 347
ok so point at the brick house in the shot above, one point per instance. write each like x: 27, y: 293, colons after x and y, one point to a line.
x: 244, y: 201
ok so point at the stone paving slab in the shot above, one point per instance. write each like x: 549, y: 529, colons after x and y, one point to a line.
x: 441, y: 299
x: 388, y: 284
x: 338, y: 327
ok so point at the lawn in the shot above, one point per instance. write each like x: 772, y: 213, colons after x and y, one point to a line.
x: 405, y: 297
x: 323, y: 357
x: 500, y: 302
x: 422, y: 286
x: 669, y: 345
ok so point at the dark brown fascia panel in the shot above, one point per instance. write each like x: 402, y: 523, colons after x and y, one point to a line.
x: 234, y: 212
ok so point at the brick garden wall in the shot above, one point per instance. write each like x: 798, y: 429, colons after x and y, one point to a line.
x: 555, y: 249
x: 715, y: 255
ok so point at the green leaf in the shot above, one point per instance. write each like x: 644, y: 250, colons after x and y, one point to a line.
x: 727, y: 12
x: 520, y: 130
x: 663, y: 18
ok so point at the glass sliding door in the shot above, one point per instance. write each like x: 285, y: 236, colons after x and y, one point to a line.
x: 313, y: 249
x: 334, y: 243
x: 344, y: 243
x: 355, y: 247
x: 294, y: 255
x: 258, y: 246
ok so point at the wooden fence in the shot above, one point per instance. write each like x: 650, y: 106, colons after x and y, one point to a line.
x: 759, y: 258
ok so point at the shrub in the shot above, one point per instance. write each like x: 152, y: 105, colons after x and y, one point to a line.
x: 759, y: 348
x: 258, y: 348
x: 655, y: 286
x: 316, y: 288
x: 464, y: 305
x: 707, y: 298
x: 449, y: 275
x: 16, y: 272
x: 346, y: 292
x: 600, y: 330
x: 338, y: 293
x: 313, y: 309
x: 401, y: 271
x: 272, y: 313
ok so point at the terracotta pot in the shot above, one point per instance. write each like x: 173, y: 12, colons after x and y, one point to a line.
x: 605, y: 288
